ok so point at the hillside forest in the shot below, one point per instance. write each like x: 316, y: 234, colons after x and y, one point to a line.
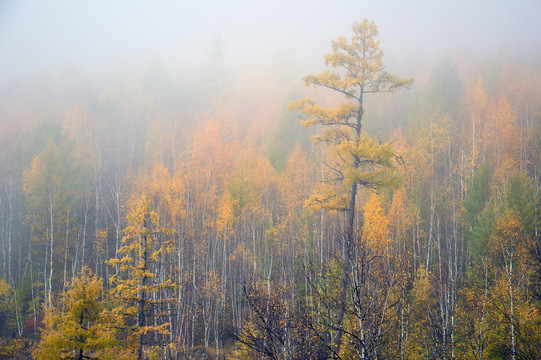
x: 357, y: 213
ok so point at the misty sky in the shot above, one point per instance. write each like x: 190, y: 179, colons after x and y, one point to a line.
x: 40, y: 35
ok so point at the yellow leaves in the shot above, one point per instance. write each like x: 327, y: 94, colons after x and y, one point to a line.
x: 161, y: 329
x: 361, y: 63
x: 326, y: 77
x: 422, y: 288
x: 211, y: 159
x: 165, y: 191
x: 479, y: 97
x: 83, y: 295
x: 333, y: 136
x: 142, y: 229
x: 47, y: 183
x: 422, y: 305
x: 327, y: 197
x: 83, y: 324
x: 365, y: 30
x: 501, y: 135
x: 299, y: 179
x: 7, y: 305
x: 368, y: 151
x: 424, y: 155
x: 375, y: 232
x: 367, y: 163
x: 507, y: 238
x: 344, y: 114
x: 140, y: 216
x: 363, y: 46
x: 131, y: 310
x: 145, y: 243
x: 398, y: 216
x: 300, y: 104
x: 364, y: 162
x: 211, y: 286
x: 241, y: 255
x: 354, y: 157
x: 225, y: 214
x: 101, y: 239
x: 347, y: 85
x: 12, y: 348
x: 508, y: 228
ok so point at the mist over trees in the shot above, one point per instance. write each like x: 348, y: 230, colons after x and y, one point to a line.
x: 209, y: 214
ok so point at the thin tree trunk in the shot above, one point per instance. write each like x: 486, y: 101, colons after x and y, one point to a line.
x: 66, y: 250
x: 142, y: 300
x: 513, y: 345
x: 349, y: 238
x: 51, y: 218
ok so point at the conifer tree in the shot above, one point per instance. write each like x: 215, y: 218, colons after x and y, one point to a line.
x: 137, y: 285
x: 356, y: 159
x: 81, y: 327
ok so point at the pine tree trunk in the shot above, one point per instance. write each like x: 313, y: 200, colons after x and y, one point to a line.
x: 349, y: 238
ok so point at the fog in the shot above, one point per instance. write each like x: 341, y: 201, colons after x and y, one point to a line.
x: 154, y: 167
x: 103, y: 37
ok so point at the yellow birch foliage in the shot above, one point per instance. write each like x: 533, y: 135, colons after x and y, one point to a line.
x: 299, y: 180
x: 224, y: 221
x: 514, y: 317
x: 376, y: 226
x: 166, y: 191
x: 400, y: 218
x: 420, y: 341
x: 502, y: 136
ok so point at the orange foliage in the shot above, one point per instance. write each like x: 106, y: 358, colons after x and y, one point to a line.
x: 501, y: 137
x: 376, y: 226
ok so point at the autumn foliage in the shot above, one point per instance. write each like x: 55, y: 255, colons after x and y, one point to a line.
x: 135, y: 224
